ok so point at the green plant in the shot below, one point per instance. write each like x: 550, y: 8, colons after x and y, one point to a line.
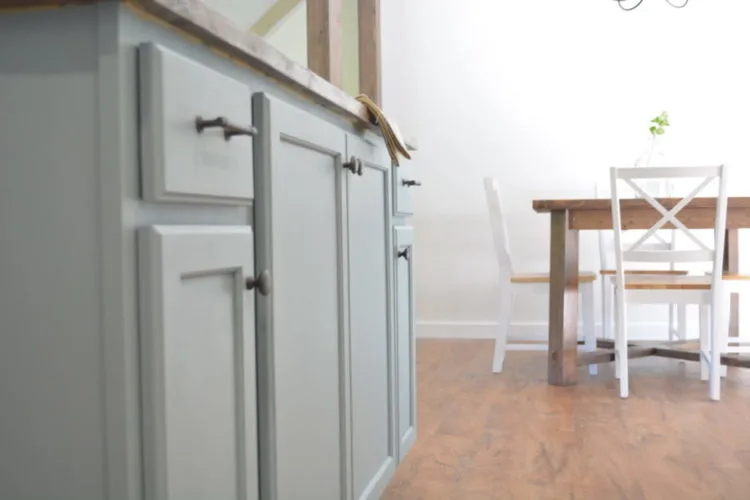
x: 661, y: 121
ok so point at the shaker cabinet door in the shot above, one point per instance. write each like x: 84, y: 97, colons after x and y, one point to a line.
x: 405, y: 341
x: 299, y: 221
x: 372, y: 369
x: 198, y: 362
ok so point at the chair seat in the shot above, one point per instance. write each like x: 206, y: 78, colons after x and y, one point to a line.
x: 732, y: 277
x: 583, y: 277
x: 651, y: 282
x: 656, y: 272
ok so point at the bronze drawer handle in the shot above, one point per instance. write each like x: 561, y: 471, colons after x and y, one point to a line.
x: 232, y: 130
x: 203, y: 123
x: 220, y: 122
x: 263, y: 283
x: 410, y: 183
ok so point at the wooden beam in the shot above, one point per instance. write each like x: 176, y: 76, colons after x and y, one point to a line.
x: 666, y: 352
x: 369, y: 49
x: 608, y: 356
x: 324, y: 49
x: 693, y: 355
x: 595, y: 357
x: 278, y: 11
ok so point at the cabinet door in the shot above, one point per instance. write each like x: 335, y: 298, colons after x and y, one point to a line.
x: 198, y: 362
x: 371, y: 327
x: 405, y: 341
x: 303, y: 324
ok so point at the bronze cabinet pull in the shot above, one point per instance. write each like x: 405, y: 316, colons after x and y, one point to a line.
x: 232, y: 130
x: 410, y: 183
x: 229, y: 129
x: 203, y: 123
x: 263, y: 283
x: 352, y: 164
x: 403, y: 254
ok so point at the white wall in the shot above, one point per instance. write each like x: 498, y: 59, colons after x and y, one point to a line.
x: 290, y: 37
x: 546, y: 95
x: 244, y: 13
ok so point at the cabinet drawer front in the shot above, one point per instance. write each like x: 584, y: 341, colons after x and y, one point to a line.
x: 198, y: 363
x: 179, y: 162
x: 403, y: 187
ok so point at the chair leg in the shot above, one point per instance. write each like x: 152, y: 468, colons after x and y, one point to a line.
x: 723, y: 333
x: 606, y: 308
x: 682, y: 321
x: 671, y: 322
x: 616, y: 321
x: 621, y: 345
x: 719, y: 313
x: 506, y: 309
x: 589, y: 327
x: 705, y: 329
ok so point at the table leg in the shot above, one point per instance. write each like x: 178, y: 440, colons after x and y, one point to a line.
x: 732, y: 266
x: 562, y: 365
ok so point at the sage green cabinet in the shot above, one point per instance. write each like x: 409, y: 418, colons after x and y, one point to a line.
x: 144, y: 368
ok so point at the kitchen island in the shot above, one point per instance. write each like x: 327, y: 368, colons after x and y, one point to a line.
x: 207, y: 285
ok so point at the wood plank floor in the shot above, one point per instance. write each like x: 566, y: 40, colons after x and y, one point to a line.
x: 511, y: 436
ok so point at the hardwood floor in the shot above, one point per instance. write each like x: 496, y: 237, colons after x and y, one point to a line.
x: 511, y: 436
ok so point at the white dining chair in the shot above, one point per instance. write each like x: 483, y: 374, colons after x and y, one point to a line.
x: 665, y: 239
x: 710, y: 292
x: 514, y: 284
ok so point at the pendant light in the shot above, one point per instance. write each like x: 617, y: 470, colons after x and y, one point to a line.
x: 624, y: 4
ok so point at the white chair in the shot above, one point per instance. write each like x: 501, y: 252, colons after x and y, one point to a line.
x: 532, y: 283
x: 665, y: 240
x: 710, y: 292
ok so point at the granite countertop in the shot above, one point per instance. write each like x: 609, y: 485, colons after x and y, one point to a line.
x: 198, y: 19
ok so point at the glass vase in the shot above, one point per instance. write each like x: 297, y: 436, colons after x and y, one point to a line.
x: 653, y: 156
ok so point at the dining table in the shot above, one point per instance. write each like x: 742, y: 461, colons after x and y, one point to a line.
x: 570, y: 216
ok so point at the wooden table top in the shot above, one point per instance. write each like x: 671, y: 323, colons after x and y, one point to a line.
x: 544, y: 206
x: 637, y: 213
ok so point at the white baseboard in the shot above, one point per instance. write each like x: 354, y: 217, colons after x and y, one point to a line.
x: 522, y: 330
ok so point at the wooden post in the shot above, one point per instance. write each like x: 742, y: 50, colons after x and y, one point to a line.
x: 732, y: 266
x: 563, y: 301
x: 369, y: 49
x: 324, y: 52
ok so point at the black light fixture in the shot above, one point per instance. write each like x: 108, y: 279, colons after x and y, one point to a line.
x: 624, y: 4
